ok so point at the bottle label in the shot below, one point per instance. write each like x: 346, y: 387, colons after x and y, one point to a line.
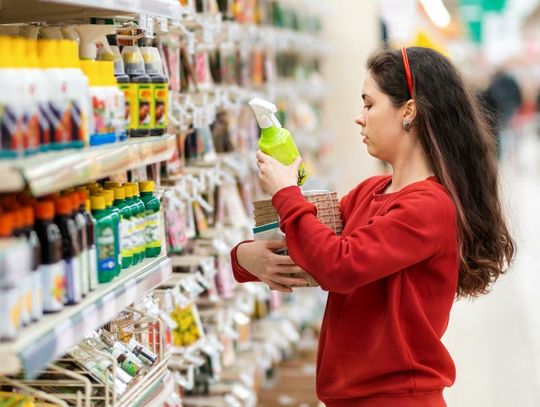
x: 129, y: 367
x: 140, y: 233
x: 106, y: 249
x: 74, y: 280
x: 161, y: 106
x: 31, y: 128
x: 145, y: 103
x: 59, y: 122
x: 25, y: 292
x: 128, y: 96
x: 37, y: 294
x: 10, y: 304
x: 44, y: 126
x: 102, y: 123
x: 53, y: 280
x: 76, y: 126
x: 11, y: 131
x: 126, y: 239
x: 152, y: 237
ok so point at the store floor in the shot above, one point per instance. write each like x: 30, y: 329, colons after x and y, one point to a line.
x: 495, y: 340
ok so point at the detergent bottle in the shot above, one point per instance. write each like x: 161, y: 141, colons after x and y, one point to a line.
x: 275, y: 140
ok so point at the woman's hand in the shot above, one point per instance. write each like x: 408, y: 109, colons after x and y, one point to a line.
x: 273, y: 269
x: 274, y: 176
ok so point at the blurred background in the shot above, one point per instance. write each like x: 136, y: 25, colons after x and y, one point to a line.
x: 495, y: 340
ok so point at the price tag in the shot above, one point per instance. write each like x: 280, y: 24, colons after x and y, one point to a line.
x: 163, y: 24
x: 143, y: 21
x: 150, y: 27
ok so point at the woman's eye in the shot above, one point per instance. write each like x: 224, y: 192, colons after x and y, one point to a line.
x: 367, y: 107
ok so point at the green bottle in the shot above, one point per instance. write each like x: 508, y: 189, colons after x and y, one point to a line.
x: 115, y: 213
x: 135, y: 248
x: 153, y: 219
x: 275, y: 140
x: 140, y: 220
x: 106, y: 250
x: 126, y: 246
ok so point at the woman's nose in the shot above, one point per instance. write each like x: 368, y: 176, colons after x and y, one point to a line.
x: 360, y: 121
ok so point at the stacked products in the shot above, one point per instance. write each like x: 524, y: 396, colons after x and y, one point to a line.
x: 55, y: 250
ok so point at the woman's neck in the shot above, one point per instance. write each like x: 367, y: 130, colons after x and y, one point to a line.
x: 409, y: 169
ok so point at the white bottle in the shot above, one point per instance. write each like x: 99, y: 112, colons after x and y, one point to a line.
x: 11, y: 104
x: 78, y: 92
x: 58, y: 90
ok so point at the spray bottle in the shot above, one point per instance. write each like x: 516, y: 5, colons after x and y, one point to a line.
x: 275, y: 140
x: 11, y: 108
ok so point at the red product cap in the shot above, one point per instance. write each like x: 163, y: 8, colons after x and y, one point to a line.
x: 63, y: 206
x: 45, y: 210
x: 6, y: 224
x: 18, y: 219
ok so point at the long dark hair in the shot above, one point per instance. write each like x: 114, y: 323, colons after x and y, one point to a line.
x: 461, y: 150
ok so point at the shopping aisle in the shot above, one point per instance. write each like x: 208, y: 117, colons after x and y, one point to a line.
x: 495, y: 340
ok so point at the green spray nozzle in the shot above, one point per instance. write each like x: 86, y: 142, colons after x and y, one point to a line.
x: 265, y: 112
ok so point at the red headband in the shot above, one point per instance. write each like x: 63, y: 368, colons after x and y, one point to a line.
x: 407, y: 70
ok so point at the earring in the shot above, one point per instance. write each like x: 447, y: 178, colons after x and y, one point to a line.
x: 406, y: 125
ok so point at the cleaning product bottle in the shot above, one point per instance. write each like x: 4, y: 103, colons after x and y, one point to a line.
x: 11, y: 108
x: 31, y: 121
x: 138, y: 211
x: 53, y: 266
x: 60, y: 111
x: 125, y: 226
x: 85, y: 209
x: 10, y: 295
x: 107, y: 253
x: 125, y: 87
x: 82, y: 238
x: 36, y: 306
x: 141, y: 225
x: 275, y: 140
x: 135, y: 238
x: 115, y: 97
x: 153, y: 219
x: 115, y: 213
x: 70, y: 248
x: 78, y: 93
x: 160, y: 90
x: 104, y: 55
x: 140, y: 92
x: 41, y: 95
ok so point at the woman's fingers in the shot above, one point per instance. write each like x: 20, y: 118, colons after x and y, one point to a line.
x: 281, y: 260
x: 278, y: 287
x: 289, y: 281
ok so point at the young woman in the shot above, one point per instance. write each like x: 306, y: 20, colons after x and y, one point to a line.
x: 411, y: 242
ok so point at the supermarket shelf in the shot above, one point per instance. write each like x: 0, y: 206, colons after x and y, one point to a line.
x: 17, y: 11
x: 46, y: 340
x: 166, y: 391
x: 55, y: 170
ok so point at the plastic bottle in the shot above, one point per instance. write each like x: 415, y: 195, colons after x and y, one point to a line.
x: 85, y: 210
x: 125, y: 87
x: 78, y: 93
x: 30, y: 100
x: 11, y: 108
x: 10, y: 296
x: 82, y: 235
x: 36, y: 305
x: 70, y: 249
x: 138, y: 216
x: 141, y: 222
x: 104, y: 55
x: 140, y: 93
x: 41, y: 95
x: 107, y: 253
x: 58, y: 90
x: 153, y: 219
x: 112, y: 184
x: 275, y: 140
x: 115, y: 213
x: 53, y: 267
x: 125, y: 226
x: 135, y: 237
x: 160, y: 90
x: 115, y: 98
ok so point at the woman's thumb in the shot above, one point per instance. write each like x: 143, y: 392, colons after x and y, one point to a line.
x: 296, y: 163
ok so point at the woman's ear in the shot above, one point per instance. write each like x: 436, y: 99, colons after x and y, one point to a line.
x: 409, y: 113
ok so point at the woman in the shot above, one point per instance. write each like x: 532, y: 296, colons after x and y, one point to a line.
x: 411, y: 241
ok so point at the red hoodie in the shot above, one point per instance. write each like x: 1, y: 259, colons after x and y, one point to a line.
x: 392, y: 277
